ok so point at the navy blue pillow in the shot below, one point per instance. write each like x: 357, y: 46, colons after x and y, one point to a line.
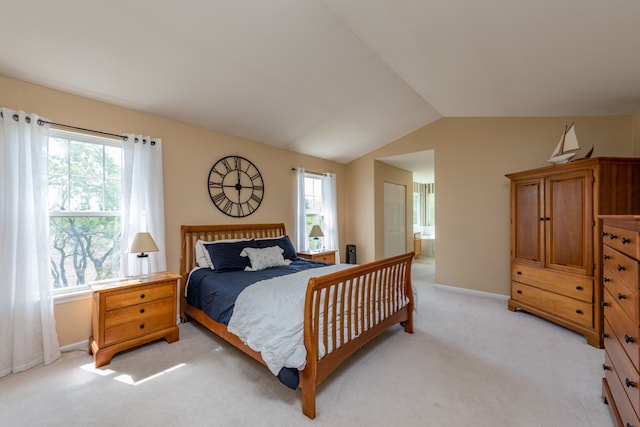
x: 226, y: 256
x: 284, y: 242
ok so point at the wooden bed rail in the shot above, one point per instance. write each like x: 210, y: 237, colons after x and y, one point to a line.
x: 347, y: 309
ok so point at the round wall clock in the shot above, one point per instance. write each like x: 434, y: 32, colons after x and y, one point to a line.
x: 236, y: 186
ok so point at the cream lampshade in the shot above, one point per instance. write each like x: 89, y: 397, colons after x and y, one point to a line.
x: 142, y: 244
x: 316, y: 232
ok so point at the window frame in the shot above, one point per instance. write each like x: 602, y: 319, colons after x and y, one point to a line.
x: 78, y: 292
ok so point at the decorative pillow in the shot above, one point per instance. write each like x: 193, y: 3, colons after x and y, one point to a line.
x: 226, y: 256
x: 262, y: 258
x: 202, y: 254
x: 289, y: 252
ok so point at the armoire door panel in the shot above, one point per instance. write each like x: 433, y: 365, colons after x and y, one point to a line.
x: 527, y: 217
x: 569, y: 233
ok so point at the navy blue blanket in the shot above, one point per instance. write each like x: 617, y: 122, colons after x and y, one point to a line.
x: 215, y: 293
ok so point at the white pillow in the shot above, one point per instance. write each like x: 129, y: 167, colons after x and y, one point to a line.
x: 262, y: 258
x: 203, y: 259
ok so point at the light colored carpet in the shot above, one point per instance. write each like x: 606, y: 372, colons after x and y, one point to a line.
x: 470, y: 362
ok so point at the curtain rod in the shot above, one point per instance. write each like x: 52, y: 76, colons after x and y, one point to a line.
x: 310, y: 172
x: 41, y: 122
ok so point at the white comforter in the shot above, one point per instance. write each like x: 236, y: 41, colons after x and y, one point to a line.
x: 269, y: 317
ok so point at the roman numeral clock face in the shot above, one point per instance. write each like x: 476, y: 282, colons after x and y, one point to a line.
x: 236, y: 186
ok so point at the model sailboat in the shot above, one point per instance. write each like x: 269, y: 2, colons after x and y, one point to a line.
x: 567, y: 147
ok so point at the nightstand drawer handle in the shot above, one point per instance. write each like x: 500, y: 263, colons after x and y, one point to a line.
x: 620, y: 267
x: 605, y: 304
x: 141, y: 310
x: 579, y: 311
x: 579, y: 288
x: 606, y: 279
x: 142, y: 326
x: 141, y: 295
x: 621, y: 296
x: 606, y: 257
x: 629, y: 383
x: 628, y: 339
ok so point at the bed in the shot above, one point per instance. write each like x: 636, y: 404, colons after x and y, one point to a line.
x: 343, y: 310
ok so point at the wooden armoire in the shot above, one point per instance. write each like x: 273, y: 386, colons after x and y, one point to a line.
x: 556, y: 262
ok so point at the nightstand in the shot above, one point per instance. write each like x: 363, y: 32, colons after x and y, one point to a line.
x: 131, y: 312
x: 327, y: 255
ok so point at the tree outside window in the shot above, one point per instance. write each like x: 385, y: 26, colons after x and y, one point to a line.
x: 84, y: 208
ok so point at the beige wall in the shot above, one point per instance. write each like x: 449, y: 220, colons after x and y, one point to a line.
x: 188, y: 154
x: 472, y: 155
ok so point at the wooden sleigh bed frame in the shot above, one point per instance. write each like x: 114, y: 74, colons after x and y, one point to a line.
x: 381, y: 293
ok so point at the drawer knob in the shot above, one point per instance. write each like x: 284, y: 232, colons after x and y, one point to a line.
x: 606, y: 257
x: 579, y: 288
x: 613, y: 236
x: 606, y: 279
x: 605, y: 304
x: 518, y: 291
x: 141, y: 310
x: 628, y: 339
x: 621, y: 296
x: 519, y: 273
x: 605, y: 367
x: 628, y: 424
x: 629, y: 383
x: 579, y: 311
x: 620, y: 267
x: 625, y: 240
x: 141, y: 295
x: 605, y: 335
x: 604, y: 233
x: 142, y: 326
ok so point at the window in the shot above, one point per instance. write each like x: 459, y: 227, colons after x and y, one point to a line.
x: 424, y: 204
x: 314, y: 208
x: 84, y: 209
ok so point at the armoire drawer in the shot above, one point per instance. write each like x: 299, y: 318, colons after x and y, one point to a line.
x: 571, y: 285
x: 625, y: 409
x: 571, y: 309
x: 617, y: 264
x: 626, y: 241
x: 622, y: 327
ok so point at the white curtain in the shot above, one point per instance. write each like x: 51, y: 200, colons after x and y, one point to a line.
x: 330, y: 214
x: 302, y: 241
x: 142, y: 200
x: 27, y: 325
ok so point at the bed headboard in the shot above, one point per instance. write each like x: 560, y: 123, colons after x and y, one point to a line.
x: 192, y: 233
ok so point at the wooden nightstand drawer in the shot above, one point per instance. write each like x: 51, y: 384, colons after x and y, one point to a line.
x: 139, y: 327
x: 133, y: 312
x: 139, y: 295
x: 323, y: 256
x: 138, y: 312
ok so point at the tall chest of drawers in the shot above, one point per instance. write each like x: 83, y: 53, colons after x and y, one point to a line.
x: 132, y: 312
x: 621, y: 255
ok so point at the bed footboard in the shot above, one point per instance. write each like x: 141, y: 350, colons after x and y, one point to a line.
x: 345, y: 310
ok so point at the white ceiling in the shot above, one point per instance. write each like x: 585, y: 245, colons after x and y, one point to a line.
x: 330, y: 78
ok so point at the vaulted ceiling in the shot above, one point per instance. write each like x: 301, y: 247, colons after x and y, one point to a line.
x: 331, y: 78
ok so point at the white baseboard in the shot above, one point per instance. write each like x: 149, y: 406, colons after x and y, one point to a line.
x: 472, y: 292
x: 81, y: 345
